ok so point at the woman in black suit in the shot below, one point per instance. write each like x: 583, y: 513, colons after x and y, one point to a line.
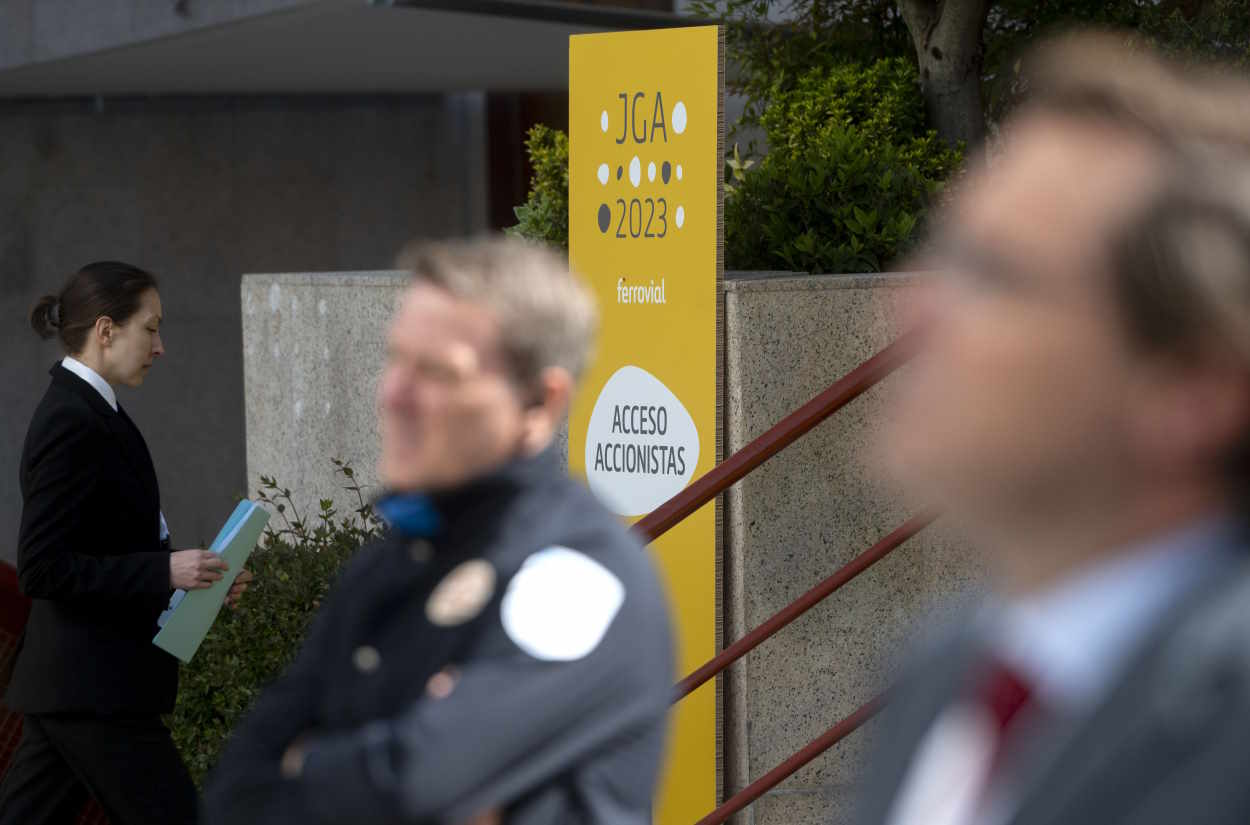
x: 94, y: 555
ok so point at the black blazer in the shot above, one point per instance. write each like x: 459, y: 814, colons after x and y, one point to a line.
x: 91, y: 558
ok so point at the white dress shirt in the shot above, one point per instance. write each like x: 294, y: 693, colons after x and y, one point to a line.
x: 1068, y: 643
x: 105, y: 389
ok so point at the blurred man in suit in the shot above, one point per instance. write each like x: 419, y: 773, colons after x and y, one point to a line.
x: 1081, y: 411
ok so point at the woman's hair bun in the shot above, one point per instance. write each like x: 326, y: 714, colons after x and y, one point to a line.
x: 45, y: 316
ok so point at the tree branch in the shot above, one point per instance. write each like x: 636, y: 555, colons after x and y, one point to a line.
x: 920, y: 16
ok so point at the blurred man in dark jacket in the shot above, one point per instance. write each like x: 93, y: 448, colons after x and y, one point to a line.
x: 1082, y: 413
x: 503, y: 653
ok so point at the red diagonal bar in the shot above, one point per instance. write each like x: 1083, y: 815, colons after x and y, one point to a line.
x: 778, y: 437
x: 805, y: 602
x: 813, y: 749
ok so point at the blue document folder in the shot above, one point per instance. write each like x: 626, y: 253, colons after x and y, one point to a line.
x: 190, y: 614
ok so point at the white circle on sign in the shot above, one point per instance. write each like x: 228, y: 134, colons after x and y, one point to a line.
x: 679, y: 117
x: 635, y: 171
x: 679, y: 171
x: 603, y: 121
x: 604, y: 172
x: 641, y: 443
x: 651, y: 171
x: 681, y: 216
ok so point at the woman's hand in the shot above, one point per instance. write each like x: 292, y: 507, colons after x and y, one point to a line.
x: 195, y: 569
x: 238, y: 588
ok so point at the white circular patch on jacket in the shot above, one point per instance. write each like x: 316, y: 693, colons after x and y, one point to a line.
x: 560, y: 604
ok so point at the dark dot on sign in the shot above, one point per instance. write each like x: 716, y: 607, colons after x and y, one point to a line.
x: 666, y: 171
x: 620, y: 170
x: 605, y: 217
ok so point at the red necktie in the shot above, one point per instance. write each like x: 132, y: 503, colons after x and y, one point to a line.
x: 956, y: 762
x: 1004, y: 694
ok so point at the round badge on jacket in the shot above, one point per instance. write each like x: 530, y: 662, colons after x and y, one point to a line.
x: 461, y: 594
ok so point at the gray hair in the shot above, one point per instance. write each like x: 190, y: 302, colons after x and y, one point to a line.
x: 547, y: 316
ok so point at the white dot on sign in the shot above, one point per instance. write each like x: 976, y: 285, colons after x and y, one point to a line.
x: 635, y: 171
x: 326, y: 409
x: 679, y: 117
x: 679, y: 171
x: 681, y: 216
x: 275, y: 298
x: 325, y: 353
x: 322, y: 307
x: 651, y: 171
x: 604, y: 172
x: 299, y: 409
x: 603, y: 121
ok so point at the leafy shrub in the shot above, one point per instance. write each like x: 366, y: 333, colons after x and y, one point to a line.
x: 771, y: 43
x: 849, y: 175
x: 249, y: 647
x: 544, y: 216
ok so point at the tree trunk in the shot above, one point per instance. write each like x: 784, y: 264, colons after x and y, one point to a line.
x: 947, y: 38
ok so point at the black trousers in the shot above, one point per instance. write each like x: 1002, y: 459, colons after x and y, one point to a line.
x: 129, y: 765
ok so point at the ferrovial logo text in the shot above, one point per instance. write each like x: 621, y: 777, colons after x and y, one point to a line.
x: 642, y: 292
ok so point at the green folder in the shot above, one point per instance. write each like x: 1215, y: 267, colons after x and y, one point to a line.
x: 191, y: 613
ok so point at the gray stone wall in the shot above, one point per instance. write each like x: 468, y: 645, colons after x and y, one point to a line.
x: 795, y: 521
x: 312, y: 355
x: 200, y: 191
x: 788, y: 525
x: 313, y: 347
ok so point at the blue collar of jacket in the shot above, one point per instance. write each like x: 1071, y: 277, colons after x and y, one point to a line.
x: 431, y: 514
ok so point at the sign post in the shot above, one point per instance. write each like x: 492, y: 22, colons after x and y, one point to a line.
x: 646, y: 229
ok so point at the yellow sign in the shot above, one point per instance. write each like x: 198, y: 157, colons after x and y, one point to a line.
x: 645, y: 173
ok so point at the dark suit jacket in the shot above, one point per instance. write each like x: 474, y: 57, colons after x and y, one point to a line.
x: 91, y: 558
x: 1167, y: 746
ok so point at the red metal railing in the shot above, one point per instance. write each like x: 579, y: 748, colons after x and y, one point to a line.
x: 809, y: 752
x: 803, y: 603
x: 781, y: 435
x: 733, y: 469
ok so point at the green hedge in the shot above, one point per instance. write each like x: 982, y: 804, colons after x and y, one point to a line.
x: 544, y: 216
x: 251, y: 646
x: 850, y: 173
x: 849, y: 176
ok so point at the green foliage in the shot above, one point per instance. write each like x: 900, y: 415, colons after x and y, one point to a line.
x: 250, y: 646
x: 544, y: 217
x: 852, y: 166
x: 849, y: 175
x: 1191, y: 30
x: 772, y: 43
